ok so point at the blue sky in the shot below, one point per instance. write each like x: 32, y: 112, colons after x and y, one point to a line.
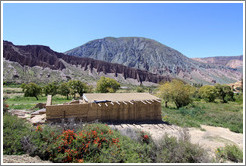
x: 196, y: 30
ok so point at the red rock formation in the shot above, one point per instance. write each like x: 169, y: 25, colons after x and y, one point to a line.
x: 43, y: 56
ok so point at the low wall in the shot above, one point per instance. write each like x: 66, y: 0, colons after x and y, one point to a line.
x: 110, y: 111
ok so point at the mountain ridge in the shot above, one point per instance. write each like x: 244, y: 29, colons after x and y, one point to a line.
x: 43, y: 56
x: 230, y: 61
x: 155, y: 57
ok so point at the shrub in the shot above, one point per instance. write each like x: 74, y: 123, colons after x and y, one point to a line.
x: 224, y: 92
x: 98, y: 143
x: 140, y: 89
x: 38, y: 141
x: 173, y: 150
x: 83, y: 146
x: 239, y: 98
x: 5, y: 106
x: 177, y: 92
x: 230, y: 152
x: 14, y: 129
x: 105, y: 85
x: 208, y: 93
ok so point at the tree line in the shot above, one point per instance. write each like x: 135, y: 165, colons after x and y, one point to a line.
x: 182, y: 94
x: 72, y: 87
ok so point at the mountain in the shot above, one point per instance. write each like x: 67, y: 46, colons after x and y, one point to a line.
x: 39, y: 63
x: 152, y: 56
x: 230, y: 61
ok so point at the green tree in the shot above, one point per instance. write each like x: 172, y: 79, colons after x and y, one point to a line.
x: 31, y: 90
x: 51, y: 89
x: 90, y: 89
x: 64, y: 89
x: 177, y: 92
x: 77, y: 87
x: 105, y: 85
x: 208, y: 93
x: 224, y: 92
x: 164, y: 92
x: 140, y: 89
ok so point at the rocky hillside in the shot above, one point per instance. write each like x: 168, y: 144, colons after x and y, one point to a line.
x: 41, y: 64
x: 150, y: 55
x: 230, y: 61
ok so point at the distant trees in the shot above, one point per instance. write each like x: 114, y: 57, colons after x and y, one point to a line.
x: 64, y: 89
x: 224, y: 92
x: 77, y: 86
x: 140, y: 89
x: 177, y: 92
x: 50, y: 89
x: 31, y: 90
x: 197, y: 85
x: 208, y: 93
x: 105, y: 85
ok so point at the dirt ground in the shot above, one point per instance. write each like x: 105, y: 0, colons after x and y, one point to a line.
x: 22, y: 159
x: 210, y: 138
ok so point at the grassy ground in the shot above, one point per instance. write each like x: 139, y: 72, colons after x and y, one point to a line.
x: 20, y: 102
x: 227, y: 115
x: 16, y: 99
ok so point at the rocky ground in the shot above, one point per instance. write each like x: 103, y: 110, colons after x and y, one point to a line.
x: 22, y: 159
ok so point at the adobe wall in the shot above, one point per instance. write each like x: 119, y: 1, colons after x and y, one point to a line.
x: 110, y: 111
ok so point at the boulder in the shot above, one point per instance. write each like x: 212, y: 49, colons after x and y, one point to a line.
x: 38, y: 119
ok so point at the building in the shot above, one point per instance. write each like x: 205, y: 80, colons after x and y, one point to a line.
x: 116, y: 107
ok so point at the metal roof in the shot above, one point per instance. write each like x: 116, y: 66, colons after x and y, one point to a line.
x: 90, y: 97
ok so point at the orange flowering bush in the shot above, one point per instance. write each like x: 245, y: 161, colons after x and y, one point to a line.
x: 95, y: 143
x: 39, y: 128
x: 144, y: 137
x: 83, y: 145
x: 5, y: 106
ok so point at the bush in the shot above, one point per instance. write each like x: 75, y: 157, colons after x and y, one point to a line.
x: 14, y: 129
x: 140, y: 89
x: 208, y: 93
x: 5, y: 106
x: 107, y: 85
x: 224, y: 92
x: 95, y: 143
x: 177, y: 92
x: 81, y: 147
x: 230, y: 152
x: 239, y: 98
x: 38, y: 142
x: 173, y: 150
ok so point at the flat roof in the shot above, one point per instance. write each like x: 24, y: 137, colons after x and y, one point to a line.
x: 90, y: 97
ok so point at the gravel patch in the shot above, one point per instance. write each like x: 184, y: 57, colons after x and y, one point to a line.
x: 22, y: 159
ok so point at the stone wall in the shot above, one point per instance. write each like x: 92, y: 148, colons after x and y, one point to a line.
x: 110, y: 111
